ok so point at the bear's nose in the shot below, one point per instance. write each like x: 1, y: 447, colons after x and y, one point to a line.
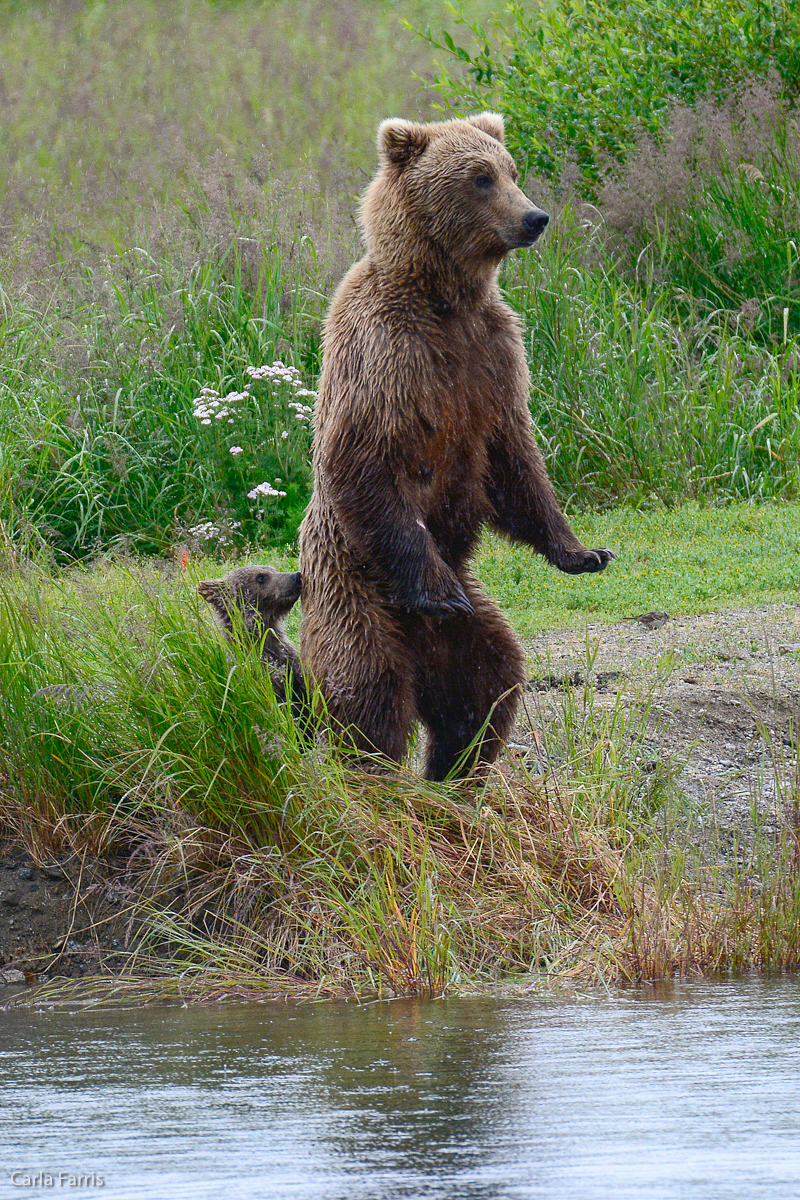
x: 535, y: 221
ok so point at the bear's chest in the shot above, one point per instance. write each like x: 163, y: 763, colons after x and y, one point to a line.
x: 469, y: 373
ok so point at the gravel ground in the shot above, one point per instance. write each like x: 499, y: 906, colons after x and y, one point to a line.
x: 725, y: 695
x: 65, y: 915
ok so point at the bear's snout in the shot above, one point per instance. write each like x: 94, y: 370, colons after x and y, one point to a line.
x: 292, y: 586
x: 534, y: 223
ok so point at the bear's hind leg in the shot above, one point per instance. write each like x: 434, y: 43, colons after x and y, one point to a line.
x: 364, y: 674
x: 377, y: 721
x: 469, y: 669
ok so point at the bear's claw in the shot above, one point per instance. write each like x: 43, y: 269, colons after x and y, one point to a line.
x: 580, y: 562
x: 445, y: 606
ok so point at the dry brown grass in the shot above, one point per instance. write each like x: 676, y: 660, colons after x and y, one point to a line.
x: 411, y: 890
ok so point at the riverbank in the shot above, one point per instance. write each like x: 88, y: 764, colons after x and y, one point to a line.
x: 643, y: 824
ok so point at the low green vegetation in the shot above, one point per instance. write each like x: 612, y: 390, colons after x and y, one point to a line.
x: 179, y: 190
x: 682, y: 561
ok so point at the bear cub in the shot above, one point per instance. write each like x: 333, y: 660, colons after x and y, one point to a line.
x: 258, y: 600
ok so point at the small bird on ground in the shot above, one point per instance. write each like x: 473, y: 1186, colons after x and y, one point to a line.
x: 650, y: 620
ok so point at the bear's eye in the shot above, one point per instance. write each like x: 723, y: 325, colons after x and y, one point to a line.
x: 484, y: 182
x: 261, y: 578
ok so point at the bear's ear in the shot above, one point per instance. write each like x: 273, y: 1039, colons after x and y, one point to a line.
x: 491, y: 123
x: 213, y: 590
x: 401, y: 141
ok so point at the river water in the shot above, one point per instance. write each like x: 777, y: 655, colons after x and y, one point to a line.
x: 683, y: 1091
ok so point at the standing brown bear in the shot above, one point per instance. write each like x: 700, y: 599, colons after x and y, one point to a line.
x: 422, y: 437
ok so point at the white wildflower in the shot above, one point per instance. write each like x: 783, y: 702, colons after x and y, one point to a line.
x: 210, y: 405
x: 213, y: 531
x: 206, y: 530
x: 236, y: 450
x: 264, y: 489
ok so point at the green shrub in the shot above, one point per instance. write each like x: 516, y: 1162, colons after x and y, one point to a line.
x: 579, y: 80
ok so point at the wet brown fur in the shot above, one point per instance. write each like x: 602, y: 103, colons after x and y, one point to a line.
x: 422, y: 437
x: 257, y: 600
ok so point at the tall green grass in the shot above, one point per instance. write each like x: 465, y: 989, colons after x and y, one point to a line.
x: 178, y: 187
x: 636, y: 400
x: 105, y: 104
x: 661, y: 326
x: 710, y: 213
x: 636, y: 397
x: 112, y: 455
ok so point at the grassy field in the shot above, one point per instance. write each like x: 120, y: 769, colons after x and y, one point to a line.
x: 684, y: 561
x: 179, y: 185
x: 176, y: 208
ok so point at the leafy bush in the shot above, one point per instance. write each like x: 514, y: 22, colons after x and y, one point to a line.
x: 579, y: 80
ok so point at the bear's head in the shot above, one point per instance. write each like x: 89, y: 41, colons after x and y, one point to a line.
x: 449, y: 188
x: 261, y: 598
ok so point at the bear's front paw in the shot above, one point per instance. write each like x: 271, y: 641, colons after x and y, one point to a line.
x: 579, y: 562
x: 445, y: 606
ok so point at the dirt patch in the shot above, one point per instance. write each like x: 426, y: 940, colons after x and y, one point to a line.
x: 724, y: 688
x: 63, y: 916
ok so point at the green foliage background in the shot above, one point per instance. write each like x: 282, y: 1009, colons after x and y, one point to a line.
x: 179, y: 186
x: 581, y: 80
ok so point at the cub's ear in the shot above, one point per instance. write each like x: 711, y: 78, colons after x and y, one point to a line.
x: 214, y: 591
x: 401, y: 141
x: 492, y: 123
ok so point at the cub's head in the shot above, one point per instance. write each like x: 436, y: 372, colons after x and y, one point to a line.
x: 261, y: 596
x: 451, y: 184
